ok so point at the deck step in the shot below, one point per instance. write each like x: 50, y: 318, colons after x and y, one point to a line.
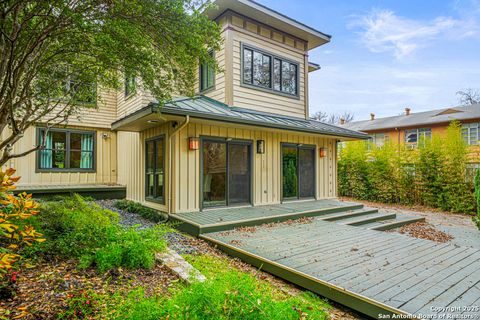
x: 346, y: 215
x: 368, y: 219
x: 395, y: 223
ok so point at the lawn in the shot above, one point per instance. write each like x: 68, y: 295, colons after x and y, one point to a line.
x: 92, y: 265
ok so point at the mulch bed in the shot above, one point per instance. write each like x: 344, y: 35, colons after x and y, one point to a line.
x: 423, y: 230
x: 43, y: 291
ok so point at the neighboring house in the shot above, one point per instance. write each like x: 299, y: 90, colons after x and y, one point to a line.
x: 409, y: 128
x: 246, y: 139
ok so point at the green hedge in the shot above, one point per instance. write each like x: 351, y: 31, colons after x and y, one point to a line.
x: 434, y: 174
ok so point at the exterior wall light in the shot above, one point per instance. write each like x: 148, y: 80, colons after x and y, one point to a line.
x: 260, y: 146
x: 193, y: 143
x: 322, y: 152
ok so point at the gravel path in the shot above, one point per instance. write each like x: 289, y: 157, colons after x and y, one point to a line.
x: 176, y: 241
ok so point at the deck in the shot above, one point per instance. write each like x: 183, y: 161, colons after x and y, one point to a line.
x: 225, y: 219
x: 371, y: 271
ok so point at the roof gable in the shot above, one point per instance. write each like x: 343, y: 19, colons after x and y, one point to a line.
x: 448, y: 111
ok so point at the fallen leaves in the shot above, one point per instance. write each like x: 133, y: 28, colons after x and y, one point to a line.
x: 423, y: 230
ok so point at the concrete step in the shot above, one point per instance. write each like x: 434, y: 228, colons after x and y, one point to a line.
x: 348, y: 214
x: 358, y: 221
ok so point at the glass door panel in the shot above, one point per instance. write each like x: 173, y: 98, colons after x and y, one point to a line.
x: 214, y: 173
x: 306, y: 170
x: 290, y: 172
x: 239, y: 173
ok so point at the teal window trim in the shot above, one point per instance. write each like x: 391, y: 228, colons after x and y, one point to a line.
x: 45, y: 156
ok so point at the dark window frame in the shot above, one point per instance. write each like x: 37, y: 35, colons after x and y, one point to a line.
x: 315, y: 169
x: 160, y: 200
x: 273, y: 57
x: 67, y: 168
x: 247, y: 142
x: 130, y: 85
x: 204, y: 67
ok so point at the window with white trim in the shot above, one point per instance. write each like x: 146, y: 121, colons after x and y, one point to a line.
x: 470, y: 133
x: 413, y: 136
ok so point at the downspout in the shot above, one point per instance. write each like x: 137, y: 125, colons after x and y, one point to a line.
x: 170, y: 152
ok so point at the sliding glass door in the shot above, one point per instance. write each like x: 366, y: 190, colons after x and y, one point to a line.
x: 226, y: 178
x: 298, y: 171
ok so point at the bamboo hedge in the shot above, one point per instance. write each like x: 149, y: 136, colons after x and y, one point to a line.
x: 434, y: 174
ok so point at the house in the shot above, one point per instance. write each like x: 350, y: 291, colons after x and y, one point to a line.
x: 408, y: 128
x: 245, y: 139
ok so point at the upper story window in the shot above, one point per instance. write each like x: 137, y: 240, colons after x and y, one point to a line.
x: 207, y: 75
x: 413, y: 136
x: 378, y: 139
x: 66, y: 150
x: 470, y: 133
x: 130, y: 84
x: 270, y: 72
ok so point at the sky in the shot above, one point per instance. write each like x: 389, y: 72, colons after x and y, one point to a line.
x: 387, y: 55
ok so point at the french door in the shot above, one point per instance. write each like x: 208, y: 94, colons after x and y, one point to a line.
x: 298, y: 171
x: 226, y: 173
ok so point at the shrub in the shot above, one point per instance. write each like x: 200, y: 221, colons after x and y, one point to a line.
x: 16, y: 213
x: 81, y: 229
x: 228, y: 294
x: 135, y: 207
x: 130, y: 248
x: 477, y: 197
x: 434, y: 174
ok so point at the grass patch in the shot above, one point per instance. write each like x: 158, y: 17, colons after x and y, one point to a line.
x: 227, y: 294
x: 135, y: 207
x: 77, y: 228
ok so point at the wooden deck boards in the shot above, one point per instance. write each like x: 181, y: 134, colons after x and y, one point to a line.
x: 214, y: 216
x: 389, y: 271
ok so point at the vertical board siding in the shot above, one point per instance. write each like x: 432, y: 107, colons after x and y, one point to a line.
x: 105, y: 162
x: 266, y: 167
x: 131, y: 164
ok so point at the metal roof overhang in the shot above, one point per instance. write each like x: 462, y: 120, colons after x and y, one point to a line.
x: 150, y: 116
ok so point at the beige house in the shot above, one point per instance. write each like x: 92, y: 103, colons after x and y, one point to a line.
x: 246, y: 139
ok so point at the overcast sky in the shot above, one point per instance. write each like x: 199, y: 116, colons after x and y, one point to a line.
x: 388, y: 55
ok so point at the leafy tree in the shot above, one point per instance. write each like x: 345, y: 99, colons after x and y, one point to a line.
x: 54, y: 54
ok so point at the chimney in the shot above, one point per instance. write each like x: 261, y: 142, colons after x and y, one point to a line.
x: 407, y: 111
x: 342, y: 120
x: 372, y: 116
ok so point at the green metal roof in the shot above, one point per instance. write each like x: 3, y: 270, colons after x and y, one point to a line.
x: 206, y: 108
